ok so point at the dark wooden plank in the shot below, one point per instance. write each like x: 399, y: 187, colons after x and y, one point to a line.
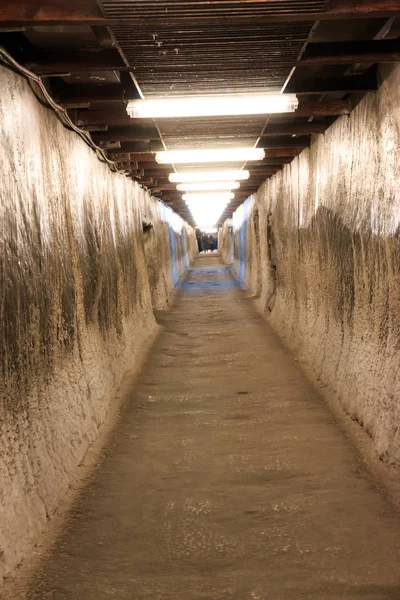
x: 146, y: 169
x: 281, y: 152
x: 87, y: 94
x: 144, y: 157
x: 51, y: 11
x: 166, y: 186
x: 149, y: 181
x: 284, y: 142
x: 269, y: 162
x: 279, y: 137
x: 110, y: 117
x: 144, y: 166
x: 94, y: 127
x: 264, y: 172
x: 356, y: 83
x: 142, y: 147
x: 62, y: 61
x: 60, y: 12
x: 276, y: 129
x: 138, y: 133
x: 333, y: 53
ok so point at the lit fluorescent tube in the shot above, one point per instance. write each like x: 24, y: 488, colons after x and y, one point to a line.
x: 208, y: 187
x: 209, y: 156
x: 194, y: 176
x: 208, y: 197
x: 209, y: 106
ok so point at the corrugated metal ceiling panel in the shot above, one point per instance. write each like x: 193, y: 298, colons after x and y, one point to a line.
x: 177, y: 8
x: 225, y: 58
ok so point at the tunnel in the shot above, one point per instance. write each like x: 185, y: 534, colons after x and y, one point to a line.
x: 200, y: 299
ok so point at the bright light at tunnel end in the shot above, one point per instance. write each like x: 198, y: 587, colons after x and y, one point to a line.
x: 207, y: 208
x: 207, y: 106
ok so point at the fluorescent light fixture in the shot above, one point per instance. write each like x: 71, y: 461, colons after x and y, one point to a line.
x: 208, y: 186
x: 193, y: 176
x: 207, y: 106
x: 210, y: 155
x: 208, y: 197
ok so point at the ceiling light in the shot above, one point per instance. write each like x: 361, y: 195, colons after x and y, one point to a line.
x: 228, y: 175
x: 211, y: 155
x: 208, y: 197
x: 207, y: 106
x: 208, y: 186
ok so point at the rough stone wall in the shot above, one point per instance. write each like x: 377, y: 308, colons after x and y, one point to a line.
x: 85, y: 256
x: 225, y: 241
x: 169, y: 246
x: 326, y: 260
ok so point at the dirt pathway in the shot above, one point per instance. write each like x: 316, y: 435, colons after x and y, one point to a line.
x: 225, y: 478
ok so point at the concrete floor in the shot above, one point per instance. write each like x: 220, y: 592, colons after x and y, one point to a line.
x: 226, y: 477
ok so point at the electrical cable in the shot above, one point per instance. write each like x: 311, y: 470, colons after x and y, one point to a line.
x: 60, y: 111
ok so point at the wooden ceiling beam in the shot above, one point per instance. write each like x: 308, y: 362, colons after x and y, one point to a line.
x: 347, y: 53
x: 345, y: 84
x: 277, y: 129
x: 127, y: 134
x: 68, y: 60
x: 117, y: 118
x: 325, y: 108
x: 59, y: 12
x: 274, y: 156
x: 140, y: 147
x: 145, y: 166
x: 167, y: 187
x: 244, y: 185
x: 284, y: 142
x: 267, y: 162
x: 94, y: 127
x: 145, y: 157
x: 254, y: 174
x: 52, y: 12
x: 64, y: 61
x: 133, y: 138
x: 121, y: 118
x: 280, y: 152
x: 86, y: 94
x: 149, y: 181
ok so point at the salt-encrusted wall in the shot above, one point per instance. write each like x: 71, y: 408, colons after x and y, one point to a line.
x: 319, y: 244
x: 85, y: 255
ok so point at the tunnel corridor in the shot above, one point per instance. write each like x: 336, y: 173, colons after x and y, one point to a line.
x: 177, y: 421
x: 225, y: 477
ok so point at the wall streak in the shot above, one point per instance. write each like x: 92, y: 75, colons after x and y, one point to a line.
x: 85, y: 256
x: 322, y: 251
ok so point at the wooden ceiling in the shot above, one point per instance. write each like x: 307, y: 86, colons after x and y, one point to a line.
x: 95, y: 56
